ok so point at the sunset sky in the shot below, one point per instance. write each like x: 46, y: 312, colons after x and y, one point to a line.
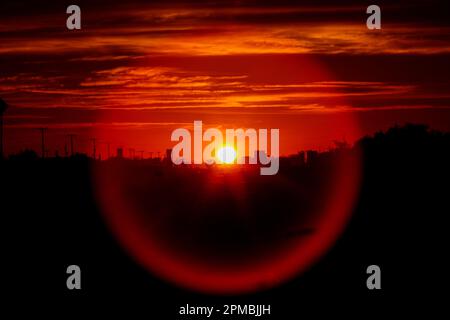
x: 139, y: 69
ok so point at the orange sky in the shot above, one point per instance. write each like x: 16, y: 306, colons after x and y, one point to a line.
x: 137, y: 71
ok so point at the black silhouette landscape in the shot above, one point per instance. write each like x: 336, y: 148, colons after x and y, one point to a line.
x: 51, y: 219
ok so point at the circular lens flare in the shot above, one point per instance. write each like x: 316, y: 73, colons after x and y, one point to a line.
x: 235, y: 231
x: 226, y: 155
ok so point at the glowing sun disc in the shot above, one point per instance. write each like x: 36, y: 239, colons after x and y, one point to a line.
x: 226, y: 155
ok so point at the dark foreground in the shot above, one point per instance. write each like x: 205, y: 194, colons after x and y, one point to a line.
x: 50, y: 220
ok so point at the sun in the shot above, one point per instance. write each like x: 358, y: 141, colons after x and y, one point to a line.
x: 226, y: 155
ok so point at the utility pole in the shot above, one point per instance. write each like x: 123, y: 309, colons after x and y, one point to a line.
x: 42, y: 130
x: 3, y: 107
x: 71, y: 136
x: 94, y: 148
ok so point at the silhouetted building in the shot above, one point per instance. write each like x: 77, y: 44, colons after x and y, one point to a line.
x: 298, y: 159
x: 25, y: 155
x: 311, y: 155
